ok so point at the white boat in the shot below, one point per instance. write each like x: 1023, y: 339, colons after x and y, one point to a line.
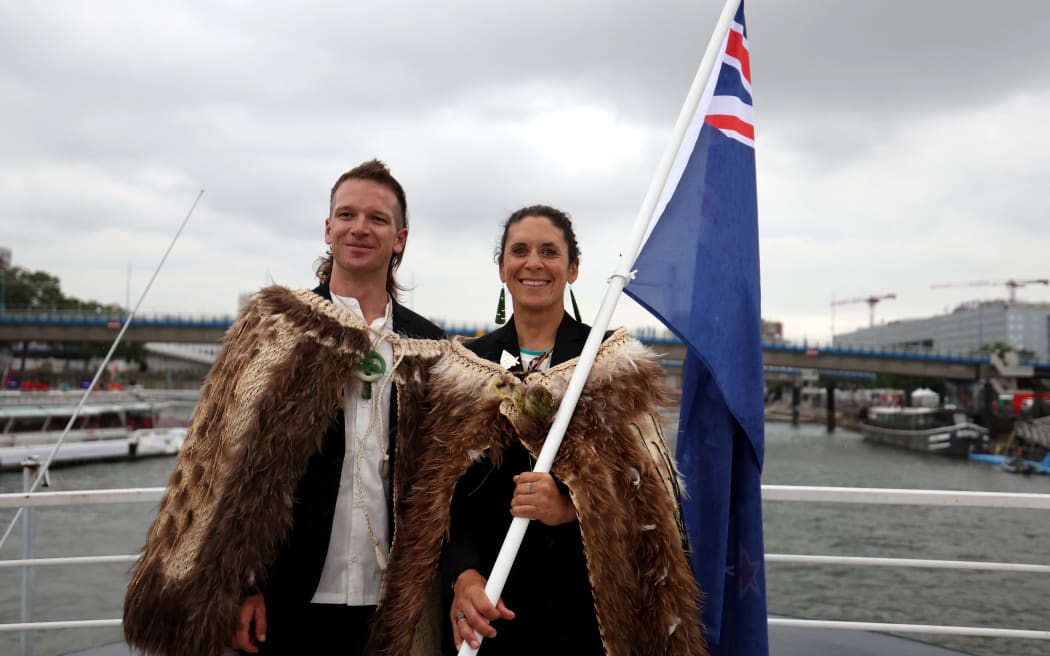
x: 113, y: 426
x: 931, y: 430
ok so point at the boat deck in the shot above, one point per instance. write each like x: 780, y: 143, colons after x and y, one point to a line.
x: 784, y: 641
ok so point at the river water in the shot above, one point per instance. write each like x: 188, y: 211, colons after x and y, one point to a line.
x: 801, y: 456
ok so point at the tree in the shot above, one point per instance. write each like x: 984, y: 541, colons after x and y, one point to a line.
x: 39, y: 290
x: 998, y: 348
x: 36, y: 290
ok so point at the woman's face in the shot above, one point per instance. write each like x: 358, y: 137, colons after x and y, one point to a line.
x: 535, y: 265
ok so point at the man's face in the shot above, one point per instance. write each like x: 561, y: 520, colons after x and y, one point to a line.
x: 362, y: 229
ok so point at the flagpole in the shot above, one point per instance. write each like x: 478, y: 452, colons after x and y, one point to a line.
x: 617, y: 282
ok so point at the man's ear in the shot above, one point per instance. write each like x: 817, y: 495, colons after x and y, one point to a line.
x: 400, y: 240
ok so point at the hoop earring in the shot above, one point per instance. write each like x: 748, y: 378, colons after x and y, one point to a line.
x: 501, y: 307
x: 575, y: 308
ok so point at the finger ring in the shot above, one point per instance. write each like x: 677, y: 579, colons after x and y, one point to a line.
x: 460, y: 617
x: 528, y: 490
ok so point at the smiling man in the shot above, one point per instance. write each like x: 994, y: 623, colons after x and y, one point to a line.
x: 320, y: 593
x: 278, y: 523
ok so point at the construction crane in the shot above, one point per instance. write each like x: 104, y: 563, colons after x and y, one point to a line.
x: 872, y: 301
x: 1011, y: 284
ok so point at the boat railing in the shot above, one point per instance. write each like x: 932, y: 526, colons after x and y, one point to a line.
x: 770, y: 493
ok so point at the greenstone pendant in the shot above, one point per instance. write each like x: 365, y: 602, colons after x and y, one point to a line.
x: 371, y: 367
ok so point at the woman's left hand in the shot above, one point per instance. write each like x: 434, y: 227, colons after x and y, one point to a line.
x: 536, y: 496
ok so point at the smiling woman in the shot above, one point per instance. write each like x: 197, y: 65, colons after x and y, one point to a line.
x: 557, y: 599
x: 537, y: 260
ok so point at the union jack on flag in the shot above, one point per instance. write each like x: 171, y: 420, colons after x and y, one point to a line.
x: 730, y: 110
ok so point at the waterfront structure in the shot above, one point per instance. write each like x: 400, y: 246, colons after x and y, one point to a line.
x: 1024, y: 326
x: 5, y: 264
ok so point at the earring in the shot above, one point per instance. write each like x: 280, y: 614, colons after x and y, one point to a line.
x: 501, y: 307
x: 575, y: 308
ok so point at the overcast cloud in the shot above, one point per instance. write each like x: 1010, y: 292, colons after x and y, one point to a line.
x: 899, y: 144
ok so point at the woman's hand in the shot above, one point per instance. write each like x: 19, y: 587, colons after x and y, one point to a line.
x: 472, y: 611
x: 536, y: 496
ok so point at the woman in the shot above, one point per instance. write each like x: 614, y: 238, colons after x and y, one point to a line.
x: 585, y: 513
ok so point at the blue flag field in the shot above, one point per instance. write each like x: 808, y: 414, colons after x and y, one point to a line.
x: 698, y: 271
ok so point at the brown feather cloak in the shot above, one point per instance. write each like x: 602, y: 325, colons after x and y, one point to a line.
x: 615, y: 463
x: 273, y: 391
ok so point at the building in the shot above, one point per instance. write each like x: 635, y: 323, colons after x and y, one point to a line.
x: 772, y: 332
x: 1024, y: 326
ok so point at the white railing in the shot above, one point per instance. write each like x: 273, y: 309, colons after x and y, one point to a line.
x: 795, y: 493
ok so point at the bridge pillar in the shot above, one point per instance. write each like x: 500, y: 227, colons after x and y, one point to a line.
x: 796, y: 398
x: 988, y: 394
x: 831, y: 407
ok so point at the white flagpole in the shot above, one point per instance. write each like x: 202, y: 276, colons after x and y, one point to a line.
x: 619, y: 279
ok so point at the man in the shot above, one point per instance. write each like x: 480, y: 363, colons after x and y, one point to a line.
x: 325, y: 584
x: 285, y: 487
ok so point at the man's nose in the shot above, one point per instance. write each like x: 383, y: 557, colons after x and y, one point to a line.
x: 358, y: 223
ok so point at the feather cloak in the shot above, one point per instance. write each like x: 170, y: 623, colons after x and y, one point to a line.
x: 262, y: 415
x: 273, y: 391
x: 615, y: 463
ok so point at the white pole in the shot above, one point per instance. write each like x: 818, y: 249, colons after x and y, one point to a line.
x: 620, y: 277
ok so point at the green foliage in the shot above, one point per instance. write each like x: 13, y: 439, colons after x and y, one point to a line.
x: 998, y: 348
x: 30, y: 289
x: 39, y: 290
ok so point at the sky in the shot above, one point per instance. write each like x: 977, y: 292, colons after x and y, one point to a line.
x: 900, y: 145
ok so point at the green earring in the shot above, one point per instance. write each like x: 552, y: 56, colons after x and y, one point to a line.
x: 575, y: 308
x: 501, y: 307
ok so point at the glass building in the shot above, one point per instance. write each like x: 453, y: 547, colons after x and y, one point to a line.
x: 1024, y: 326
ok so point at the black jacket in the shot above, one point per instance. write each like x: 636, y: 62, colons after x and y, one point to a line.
x: 292, y: 579
x: 548, y: 587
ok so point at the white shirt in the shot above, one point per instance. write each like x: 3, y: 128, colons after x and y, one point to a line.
x: 351, y: 573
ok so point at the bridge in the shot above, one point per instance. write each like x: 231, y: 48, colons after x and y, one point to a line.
x: 782, y: 358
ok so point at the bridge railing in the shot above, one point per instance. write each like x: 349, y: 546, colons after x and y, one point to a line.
x: 92, y: 318
x: 646, y: 334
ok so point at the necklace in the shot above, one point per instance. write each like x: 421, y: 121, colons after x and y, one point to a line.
x: 371, y: 367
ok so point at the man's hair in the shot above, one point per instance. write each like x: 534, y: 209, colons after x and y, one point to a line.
x: 377, y: 172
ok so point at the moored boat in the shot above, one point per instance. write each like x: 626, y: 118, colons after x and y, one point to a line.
x: 944, y: 431
x: 112, y: 428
